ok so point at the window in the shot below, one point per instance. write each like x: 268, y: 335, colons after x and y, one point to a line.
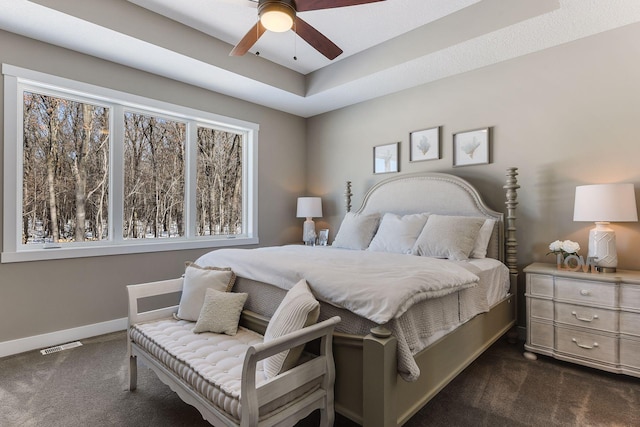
x: 91, y: 171
x: 65, y: 170
x: 219, y: 187
x: 153, y: 177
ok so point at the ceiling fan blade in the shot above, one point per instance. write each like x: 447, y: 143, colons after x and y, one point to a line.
x: 306, y: 5
x: 248, y: 40
x: 316, y: 39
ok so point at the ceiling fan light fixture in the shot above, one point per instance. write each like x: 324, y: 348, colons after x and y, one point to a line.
x: 276, y: 15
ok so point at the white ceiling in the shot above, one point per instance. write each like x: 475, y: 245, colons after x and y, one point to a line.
x: 374, y: 23
x: 388, y: 46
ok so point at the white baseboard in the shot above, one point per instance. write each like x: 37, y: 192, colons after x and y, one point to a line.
x: 8, y: 348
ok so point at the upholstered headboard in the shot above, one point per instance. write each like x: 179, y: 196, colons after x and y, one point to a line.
x: 436, y: 193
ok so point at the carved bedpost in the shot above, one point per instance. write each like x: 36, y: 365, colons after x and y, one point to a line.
x: 347, y: 196
x: 511, y: 242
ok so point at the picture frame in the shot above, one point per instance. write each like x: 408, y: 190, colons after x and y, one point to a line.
x: 323, y: 237
x: 472, y: 147
x: 424, y: 144
x: 386, y: 158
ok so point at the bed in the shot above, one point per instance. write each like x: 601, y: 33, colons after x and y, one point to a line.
x: 391, y: 359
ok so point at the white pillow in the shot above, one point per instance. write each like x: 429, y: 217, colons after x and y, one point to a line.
x: 398, y: 233
x: 297, y: 310
x: 482, y: 241
x: 356, y: 231
x: 195, y: 284
x: 220, y: 312
x: 449, y: 237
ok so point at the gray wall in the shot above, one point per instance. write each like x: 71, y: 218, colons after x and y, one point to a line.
x: 565, y: 116
x: 47, y: 296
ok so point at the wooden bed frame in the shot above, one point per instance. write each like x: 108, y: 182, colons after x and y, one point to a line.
x: 368, y: 389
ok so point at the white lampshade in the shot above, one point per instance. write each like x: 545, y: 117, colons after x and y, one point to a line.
x: 309, y: 207
x: 605, y: 202
x: 602, y: 204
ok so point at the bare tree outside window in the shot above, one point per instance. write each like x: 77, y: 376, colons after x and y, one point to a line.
x: 219, y: 183
x: 154, y: 159
x: 100, y: 172
x: 65, y: 170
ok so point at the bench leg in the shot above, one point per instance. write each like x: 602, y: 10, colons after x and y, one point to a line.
x: 327, y: 414
x: 133, y: 373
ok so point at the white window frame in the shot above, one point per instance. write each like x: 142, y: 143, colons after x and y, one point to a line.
x: 17, y: 79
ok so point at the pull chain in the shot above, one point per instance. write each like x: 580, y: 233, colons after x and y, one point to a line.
x: 295, y: 44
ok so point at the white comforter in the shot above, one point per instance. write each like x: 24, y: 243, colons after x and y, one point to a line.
x: 378, y: 286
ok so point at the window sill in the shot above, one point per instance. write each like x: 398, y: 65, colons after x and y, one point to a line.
x: 41, y: 254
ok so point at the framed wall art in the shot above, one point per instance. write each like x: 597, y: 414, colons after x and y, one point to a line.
x: 472, y: 147
x: 424, y: 144
x: 385, y: 158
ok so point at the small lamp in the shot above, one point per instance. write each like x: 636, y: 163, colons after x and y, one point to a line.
x: 309, y: 207
x: 605, y: 203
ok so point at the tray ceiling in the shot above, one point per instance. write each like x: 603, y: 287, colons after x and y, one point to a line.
x: 388, y: 46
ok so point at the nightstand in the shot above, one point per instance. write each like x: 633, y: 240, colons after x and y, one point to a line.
x: 588, y: 318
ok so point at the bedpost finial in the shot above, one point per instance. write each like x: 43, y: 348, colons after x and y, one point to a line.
x: 347, y: 196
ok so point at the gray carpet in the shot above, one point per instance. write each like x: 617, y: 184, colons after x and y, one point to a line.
x: 86, y: 386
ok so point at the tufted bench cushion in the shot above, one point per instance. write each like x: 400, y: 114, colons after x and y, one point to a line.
x: 210, y: 363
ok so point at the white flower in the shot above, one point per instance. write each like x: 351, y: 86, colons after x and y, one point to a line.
x: 566, y: 248
x: 570, y: 247
x: 555, y: 246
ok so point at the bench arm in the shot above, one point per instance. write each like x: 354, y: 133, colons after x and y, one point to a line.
x: 144, y: 290
x: 322, y: 367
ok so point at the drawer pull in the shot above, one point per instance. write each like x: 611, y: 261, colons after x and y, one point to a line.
x: 585, y: 292
x: 584, y: 319
x: 595, y: 344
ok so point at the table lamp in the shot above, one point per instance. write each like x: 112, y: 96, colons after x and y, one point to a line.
x: 309, y: 207
x: 602, y: 204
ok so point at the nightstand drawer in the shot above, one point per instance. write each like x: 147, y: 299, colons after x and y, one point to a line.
x: 540, y: 285
x: 541, y: 335
x: 541, y: 308
x: 630, y: 353
x: 586, y: 292
x: 630, y: 323
x: 587, y: 345
x: 588, y: 317
x: 630, y: 296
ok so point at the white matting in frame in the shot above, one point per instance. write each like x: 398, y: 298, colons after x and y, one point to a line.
x: 424, y: 145
x: 471, y: 147
x: 385, y: 158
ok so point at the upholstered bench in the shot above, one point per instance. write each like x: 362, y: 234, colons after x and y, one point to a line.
x: 222, y: 375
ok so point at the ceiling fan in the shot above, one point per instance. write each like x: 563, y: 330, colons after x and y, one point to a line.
x: 281, y: 16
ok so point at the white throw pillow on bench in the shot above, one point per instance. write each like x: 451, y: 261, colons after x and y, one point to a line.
x: 298, y: 309
x: 196, y: 281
